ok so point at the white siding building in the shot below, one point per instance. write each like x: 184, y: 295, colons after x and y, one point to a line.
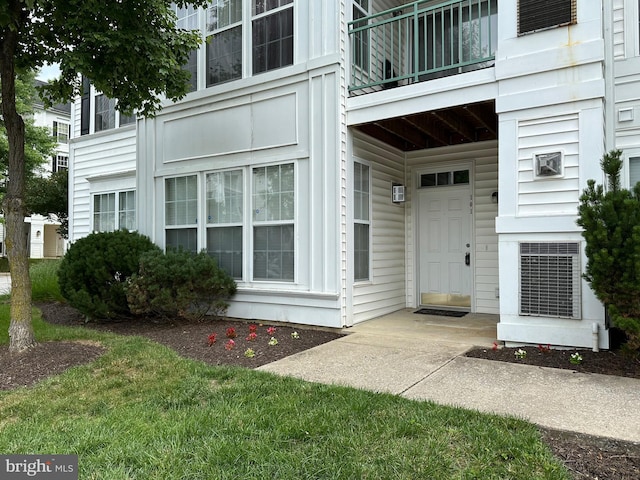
x: 344, y: 160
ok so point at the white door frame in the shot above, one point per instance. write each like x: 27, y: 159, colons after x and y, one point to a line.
x: 415, y: 178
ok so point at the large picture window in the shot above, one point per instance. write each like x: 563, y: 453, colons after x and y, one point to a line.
x: 273, y: 223
x: 225, y: 197
x: 224, y: 46
x: 362, y: 222
x: 272, y: 34
x: 181, y: 213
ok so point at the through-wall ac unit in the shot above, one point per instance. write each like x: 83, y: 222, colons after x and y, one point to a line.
x: 548, y: 164
x: 550, y: 279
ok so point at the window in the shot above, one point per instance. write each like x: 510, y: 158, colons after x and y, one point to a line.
x: 105, y: 116
x: 224, y: 197
x: 272, y: 34
x: 360, y: 44
x: 224, y: 46
x: 188, y: 20
x: 127, y: 210
x: 440, y: 179
x: 634, y: 171
x: 126, y: 119
x: 104, y: 212
x: 61, y: 132
x: 181, y: 212
x: 105, y: 206
x: 60, y: 162
x: 273, y: 223
x: 361, y: 216
x: 534, y: 15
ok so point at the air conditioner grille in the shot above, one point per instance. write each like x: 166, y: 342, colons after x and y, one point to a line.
x: 550, y: 279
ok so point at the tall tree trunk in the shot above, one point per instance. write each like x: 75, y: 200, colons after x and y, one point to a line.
x: 21, y: 335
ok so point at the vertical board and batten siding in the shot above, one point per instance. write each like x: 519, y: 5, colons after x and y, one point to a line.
x: 94, y: 156
x: 484, y: 159
x: 385, y: 292
x: 548, y: 195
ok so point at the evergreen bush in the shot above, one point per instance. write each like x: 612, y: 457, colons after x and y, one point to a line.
x: 94, y: 270
x: 179, y: 283
x: 611, y: 222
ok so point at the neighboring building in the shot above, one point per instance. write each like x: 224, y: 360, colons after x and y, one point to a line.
x: 425, y: 153
x: 44, y: 240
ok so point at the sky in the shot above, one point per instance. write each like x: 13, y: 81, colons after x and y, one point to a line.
x: 48, y: 72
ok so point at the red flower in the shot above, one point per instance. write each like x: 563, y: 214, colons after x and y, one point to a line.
x: 229, y: 345
x: 271, y: 330
x: 252, y: 336
x: 253, y: 328
x: 212, y: 339
x: 231, y: 332
x: 495, y: 346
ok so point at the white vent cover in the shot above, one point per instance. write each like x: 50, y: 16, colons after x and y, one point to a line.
x: 550, y: 279
x: 548, y: 164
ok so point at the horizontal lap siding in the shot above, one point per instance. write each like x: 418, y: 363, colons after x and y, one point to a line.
x: 550, y: 195
x: 484, y: 157
x: 93, y: 157
x: 385, y: 292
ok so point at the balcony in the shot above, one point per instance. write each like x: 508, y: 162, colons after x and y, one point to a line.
x: 421, y: 41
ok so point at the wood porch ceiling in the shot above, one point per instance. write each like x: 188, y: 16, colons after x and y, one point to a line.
x: 452, y: 126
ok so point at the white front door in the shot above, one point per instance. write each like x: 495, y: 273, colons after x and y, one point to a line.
x: 444, y: 230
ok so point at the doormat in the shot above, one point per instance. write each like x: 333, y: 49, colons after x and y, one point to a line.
x: 441, y: 313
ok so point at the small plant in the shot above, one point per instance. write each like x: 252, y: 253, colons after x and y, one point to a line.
x: 252, y: 336
x: 295, y: 335
x: 229, y: 345
x: 231, y: 332
x: 495, y: 346
x: 273, y: 341
x: 544, y: 348
x: 253, y: 328
x: 575, y: 359
x: 212, y: 339
x: 520, y: 353
x: 271, y: 330
x: 249, y: 353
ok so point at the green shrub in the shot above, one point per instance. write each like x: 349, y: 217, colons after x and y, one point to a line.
x: 611, y: 222
x: 94, y: 270
x: 44, y: 281
x: 179, y: 283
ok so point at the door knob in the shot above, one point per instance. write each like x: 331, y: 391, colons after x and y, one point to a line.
x: 467, y: 259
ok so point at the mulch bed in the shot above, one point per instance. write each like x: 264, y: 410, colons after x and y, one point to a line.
x: 587, y: 457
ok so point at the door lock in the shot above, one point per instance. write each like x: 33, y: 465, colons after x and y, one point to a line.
x: 467, y: 259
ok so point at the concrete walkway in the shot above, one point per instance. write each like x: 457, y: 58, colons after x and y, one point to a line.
x: 420, y: 357
x: 5, y: 283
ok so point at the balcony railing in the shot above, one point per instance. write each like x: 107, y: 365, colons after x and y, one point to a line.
x: 420, y: 41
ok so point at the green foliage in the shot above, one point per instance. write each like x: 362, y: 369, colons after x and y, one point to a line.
x: 44, y: 281
x: 39, y: 144
x: 179, y: 283
x: 611, y: 223
x: 50, y: 197
x: 94, y: 270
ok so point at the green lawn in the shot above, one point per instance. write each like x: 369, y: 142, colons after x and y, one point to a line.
x: 141, y: 411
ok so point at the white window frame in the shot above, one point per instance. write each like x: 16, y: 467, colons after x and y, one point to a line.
x: 362, y: 221
x: 629, y: 155
x: 212, y: 30
x: 117, y: 211
x: 230, y: 224
x: 267, y: 13
x: 61, y: 137
x: 62, y: 162
x: 365, y: 62
x: 188, y: 18
x: 182, y: 226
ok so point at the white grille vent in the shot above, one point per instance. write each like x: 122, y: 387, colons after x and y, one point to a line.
x: 550, y: 279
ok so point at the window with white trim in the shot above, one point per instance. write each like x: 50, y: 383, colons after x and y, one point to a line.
x: 114, y: 211
x: 105, y: 113
x: 224, y: 41
x: 360, y: 46
x: 361, y: 221
x: 224, y: 200
x: 272, y: 34
x: 61, y: 132
x: 273, y: 202
x: 188, y: 20
x: 634, y: 171
x: 60, y: 162
x: 181, y: 213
